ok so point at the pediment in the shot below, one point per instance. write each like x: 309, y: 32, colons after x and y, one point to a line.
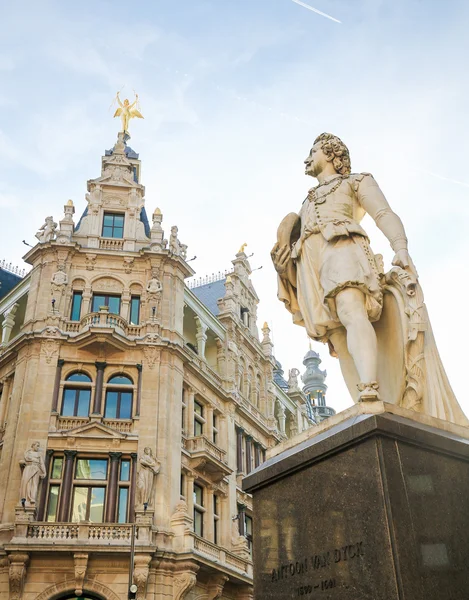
x: 94, y: 430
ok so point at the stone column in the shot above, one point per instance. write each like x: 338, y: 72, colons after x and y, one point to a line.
x: 58, y: 377
x: 98, y: 392
x: 110, y: 515
x: 248, y: 454
x: 257, y: 455
x: 8, y: 323
x: 133, y: 487
x: 281, y: 418
x: 139, y: 390
x: 64, y: 506
x: 125, y: 303
x: 4, y: 401
x: 209, y: 421
x: 239, y: 450
x: 86, y: 301
x: 201, y: 337
x: 44, y: 483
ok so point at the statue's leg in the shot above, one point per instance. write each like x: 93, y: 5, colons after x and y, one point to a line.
x: 361, y: 338
x: 338, y: 338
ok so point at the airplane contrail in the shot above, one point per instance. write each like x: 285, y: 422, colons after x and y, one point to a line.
x: 316, y: 11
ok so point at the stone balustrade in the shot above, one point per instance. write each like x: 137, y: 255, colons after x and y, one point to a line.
x: 102, y: 319
x: 111, y: 244
x: 203, y: 444
x: 220, y: 555
x: 79, y: 533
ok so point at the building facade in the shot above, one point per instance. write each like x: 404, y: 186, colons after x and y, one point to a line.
x: 131, y: 405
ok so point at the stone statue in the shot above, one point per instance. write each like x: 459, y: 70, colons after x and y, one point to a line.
x: 334, y: 286
x: 149, y: 468
x: 175, y: 246
x: 33, y: 470
x: 46, y: 233
x: 293, y: 380
x: 127, y: 111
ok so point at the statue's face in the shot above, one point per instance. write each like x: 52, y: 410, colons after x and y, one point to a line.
x: 35, y: 446
x: 126, y: 102
x: 316, y: 161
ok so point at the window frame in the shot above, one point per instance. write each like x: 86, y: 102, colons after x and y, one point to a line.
x: 132, y: 299
x: 106, y: 302
x: 76, y: 294
x: 119, y: 388
x: 199, y: 509
x: 199, y: 419
x: 77, y: 387
x: 113, y: 226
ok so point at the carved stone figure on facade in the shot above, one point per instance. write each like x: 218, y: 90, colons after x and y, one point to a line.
x: 33, y: 471
x: 60, y: 278
x: 333, y: 284
x: 47, y: 231
x: 293, y: 380
x: 149, y: 469
x: 154, y: 286
x: 175, y: 246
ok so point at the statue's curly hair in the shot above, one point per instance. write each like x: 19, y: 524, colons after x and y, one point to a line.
x: 335, y: 150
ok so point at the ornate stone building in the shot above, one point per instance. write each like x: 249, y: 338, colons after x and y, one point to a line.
x: 131, y: 405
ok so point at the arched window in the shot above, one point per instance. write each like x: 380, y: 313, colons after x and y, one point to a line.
x: 77, y: 395
x: 119, y: 396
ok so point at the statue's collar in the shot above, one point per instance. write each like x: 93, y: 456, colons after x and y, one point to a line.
x: 327, y: 180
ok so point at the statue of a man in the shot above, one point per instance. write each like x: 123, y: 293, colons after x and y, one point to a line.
x: 33, y: 471
x: 328, y: 274
x: 149, y: 469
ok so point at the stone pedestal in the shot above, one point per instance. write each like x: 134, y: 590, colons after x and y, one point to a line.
x: 373, y: 504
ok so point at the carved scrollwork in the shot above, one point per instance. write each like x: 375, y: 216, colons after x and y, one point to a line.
x: 17, y: 574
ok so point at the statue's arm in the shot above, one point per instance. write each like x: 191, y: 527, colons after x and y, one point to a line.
x: 119, y: 100
x: 374, y: 202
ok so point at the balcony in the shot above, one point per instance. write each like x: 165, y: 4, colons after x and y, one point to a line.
x: 110, y: 327
x: 221, y: 556
x: 53, y: 536
x: 68, y: 423
x: 207, y: 457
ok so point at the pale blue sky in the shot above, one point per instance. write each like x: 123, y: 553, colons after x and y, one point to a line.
x: 233, y: 94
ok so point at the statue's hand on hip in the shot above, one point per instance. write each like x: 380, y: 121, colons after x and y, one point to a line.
x: 281, y: 257
x: 403, y: 260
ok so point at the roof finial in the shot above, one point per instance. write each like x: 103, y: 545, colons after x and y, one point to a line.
x: 241, y: 250
x: 127, y: 111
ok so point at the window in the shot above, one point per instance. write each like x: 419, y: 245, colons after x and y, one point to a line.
x: 76, y: 396
x: 118, y: 398
x: 198, y: 418
x: 113, y: 225
x: 183, y: 413
x: 135, y: 310
x: 95, y: 481
x: 112, y: 302
x: 248, y: 530
x: 76, y: 306
x: 215, y: 428
x: 123, y: 494
x: 88, y: 500
x: 55, y: 478
x: 216, y: 518
x: 199, y: 510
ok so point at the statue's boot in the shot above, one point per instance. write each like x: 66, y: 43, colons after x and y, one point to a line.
x: 368, y: 392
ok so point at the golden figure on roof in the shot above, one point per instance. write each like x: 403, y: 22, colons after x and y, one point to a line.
x: 127, y: 111
x: 241, y: 250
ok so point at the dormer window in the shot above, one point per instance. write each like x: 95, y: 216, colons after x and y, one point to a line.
x: 113, y: 225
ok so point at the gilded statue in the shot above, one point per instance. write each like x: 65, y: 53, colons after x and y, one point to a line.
x: 127, y: 111
x: 33, y: 471
x: 335, y: 286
